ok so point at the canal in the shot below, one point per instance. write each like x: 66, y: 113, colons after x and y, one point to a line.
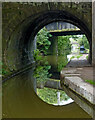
x: 20, y: 99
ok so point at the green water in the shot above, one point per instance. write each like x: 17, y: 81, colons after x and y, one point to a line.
x: 20, y: 101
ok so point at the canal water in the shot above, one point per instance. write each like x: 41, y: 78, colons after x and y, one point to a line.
x: 20, y: 100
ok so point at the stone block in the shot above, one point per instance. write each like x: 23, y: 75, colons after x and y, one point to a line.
x: 80, y: 87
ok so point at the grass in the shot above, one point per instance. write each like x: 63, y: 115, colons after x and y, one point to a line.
x: 87, y: 57
x: 79, y: 56
x: 72, y: 57
x: 91, y: 82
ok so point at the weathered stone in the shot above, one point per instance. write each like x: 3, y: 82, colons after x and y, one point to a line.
x: 68, y: 75
x: 68, y: 71
x: 22, y: 21
x: 93, y: 35
x: 80, y: 101
x: 55, y: 84
x: 80, y: 87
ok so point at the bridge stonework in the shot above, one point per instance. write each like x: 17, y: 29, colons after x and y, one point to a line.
x: 21, y: 22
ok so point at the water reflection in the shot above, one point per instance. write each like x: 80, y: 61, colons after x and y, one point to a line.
x: 47, y: 88
x: 20, y: 101
x: 51, y: 91
x: 54, y: 96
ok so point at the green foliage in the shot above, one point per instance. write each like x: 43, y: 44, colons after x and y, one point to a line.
x: 79, y: 56
x: 37, y: 55
x: 90, y: 81
x: 72, y: 57
x: 3, y: 69
x: 87, y: 57
x: 41, y: 71
x: 83, y: 41
x: 50, y: 95
x: 62, y: 62
x: 43, y: 42
x: 64, y: 45
x: 64, y: 48
x: 75, y: 37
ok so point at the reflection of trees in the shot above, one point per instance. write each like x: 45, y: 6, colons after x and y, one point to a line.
x: 42, y: 67
x: 50, y: 95
x: 41, y: 71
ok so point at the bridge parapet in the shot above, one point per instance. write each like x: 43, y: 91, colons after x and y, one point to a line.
x: 60, y: 26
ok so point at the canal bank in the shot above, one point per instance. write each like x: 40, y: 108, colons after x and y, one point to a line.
x: 23, y: 102
x: 80, y: 87
x: 76, y: 79
x: 21, y: 87
x: 83, y: 103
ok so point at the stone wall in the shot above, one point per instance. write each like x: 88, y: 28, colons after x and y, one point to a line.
x: 22, y: 21
x: 93, y: 39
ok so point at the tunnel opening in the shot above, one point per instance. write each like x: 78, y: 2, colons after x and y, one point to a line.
x: 22, y: 40
x: 41, y: 23
x: 57, y: 60
x: 20, y: 47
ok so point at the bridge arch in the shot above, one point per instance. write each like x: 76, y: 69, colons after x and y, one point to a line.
x: 22, y: 40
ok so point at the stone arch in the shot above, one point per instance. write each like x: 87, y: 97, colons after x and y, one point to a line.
x: 21, y: 43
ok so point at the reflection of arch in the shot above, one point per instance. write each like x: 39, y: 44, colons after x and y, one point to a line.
x: 25, y: 34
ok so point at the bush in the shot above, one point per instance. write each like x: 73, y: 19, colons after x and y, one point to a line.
x: 43, y: 42
x: 42, y: 67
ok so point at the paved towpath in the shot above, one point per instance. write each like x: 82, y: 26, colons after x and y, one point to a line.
x: 79, y: 62
x: 76, y: 72
x: 82, y: 67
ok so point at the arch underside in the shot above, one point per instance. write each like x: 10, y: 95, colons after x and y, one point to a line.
x: 21, y: 43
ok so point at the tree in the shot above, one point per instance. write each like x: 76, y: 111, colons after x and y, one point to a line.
x: 82, y: 40
x: 64, y: 45
x: 43, y: 42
